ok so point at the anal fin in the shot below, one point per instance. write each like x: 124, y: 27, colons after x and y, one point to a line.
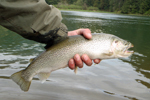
x: 43, y: 76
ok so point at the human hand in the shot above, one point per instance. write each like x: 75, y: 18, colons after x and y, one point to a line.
x: 77, y: 60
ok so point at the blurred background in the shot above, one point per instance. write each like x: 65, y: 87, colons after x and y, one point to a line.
x: 113, y: 79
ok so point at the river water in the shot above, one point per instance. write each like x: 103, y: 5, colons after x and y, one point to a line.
x: 114, y: 79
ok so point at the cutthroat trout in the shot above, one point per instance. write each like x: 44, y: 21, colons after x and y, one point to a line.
x: 101, y: 46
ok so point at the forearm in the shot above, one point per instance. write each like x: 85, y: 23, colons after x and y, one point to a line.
x: 31, y: 18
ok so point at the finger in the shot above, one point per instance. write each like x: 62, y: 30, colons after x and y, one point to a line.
x: 85, y: 58
x: 97, y: 61
x: 71, y: 33
x: 78, y: 61
x: 71, y: 64
x: 86, y: 33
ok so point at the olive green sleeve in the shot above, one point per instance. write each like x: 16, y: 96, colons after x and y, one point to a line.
x: 32, y: 19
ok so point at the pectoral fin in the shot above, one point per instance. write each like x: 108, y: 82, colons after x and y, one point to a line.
x: 31, y: 60
x: 43, y: 76
x: 108, y: 54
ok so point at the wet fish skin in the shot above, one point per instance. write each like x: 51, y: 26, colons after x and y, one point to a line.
x: 101, y: 46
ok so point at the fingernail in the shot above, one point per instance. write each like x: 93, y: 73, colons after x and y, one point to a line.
x: 89, y: 35
x: 96, y: 61
x: 77, y: 58
x: 85, y: 58
x: 71, y: 61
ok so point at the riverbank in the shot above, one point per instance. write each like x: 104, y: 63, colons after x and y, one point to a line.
x: 80, y: 8
x: 89, y: 11
x: 93, y: 9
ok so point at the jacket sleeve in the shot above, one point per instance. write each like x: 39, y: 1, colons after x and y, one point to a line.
x: 33, y: 19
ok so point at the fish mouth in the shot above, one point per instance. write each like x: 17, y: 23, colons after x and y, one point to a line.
x: 129, y: 51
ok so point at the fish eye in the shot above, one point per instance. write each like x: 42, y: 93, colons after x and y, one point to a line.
x: 116, y: 41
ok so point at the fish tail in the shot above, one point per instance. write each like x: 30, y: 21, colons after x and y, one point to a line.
x: 17, y: 78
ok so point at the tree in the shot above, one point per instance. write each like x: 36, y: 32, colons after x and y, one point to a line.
x: 126, y: 7
x: 89, y: 2
x: 52, y: 2
x: 135, y: 9
x: 79, y: 2
x: 104, y: 4
x: 144, y: 6
x: 96, y: 3
x: 71, y: 1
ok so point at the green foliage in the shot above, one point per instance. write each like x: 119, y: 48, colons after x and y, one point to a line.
x: 126, y: 7
x: 134, y: 9
x: 52, y: 2
x: 143, y: 7
x: 96, y: 3
x: 79, y: 2
x: 92, y: 8
x: 104, y: 4
x: 147, y: 12
x: 71, y: 1
x: 89, y: 2
x: 123, y: 6
x: 69, y: 7
x: 115, y: 5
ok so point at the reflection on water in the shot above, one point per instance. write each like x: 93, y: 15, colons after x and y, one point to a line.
x: 132, y: 28
x: 115, y: 79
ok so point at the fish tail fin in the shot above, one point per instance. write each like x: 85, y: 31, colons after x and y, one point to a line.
x: 17, y: 78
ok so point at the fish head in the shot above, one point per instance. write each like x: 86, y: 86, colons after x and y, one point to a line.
x: 121, y: 47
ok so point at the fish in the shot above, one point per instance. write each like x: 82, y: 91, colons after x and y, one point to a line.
x: 100, y: 46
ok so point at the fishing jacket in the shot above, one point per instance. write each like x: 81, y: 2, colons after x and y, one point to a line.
x: 33, y: 19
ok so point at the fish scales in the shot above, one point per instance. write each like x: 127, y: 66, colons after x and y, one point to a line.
x: 58, y: 55
x: 101, y: 46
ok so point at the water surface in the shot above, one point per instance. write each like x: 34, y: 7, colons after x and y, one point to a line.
x: 115, y: 79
